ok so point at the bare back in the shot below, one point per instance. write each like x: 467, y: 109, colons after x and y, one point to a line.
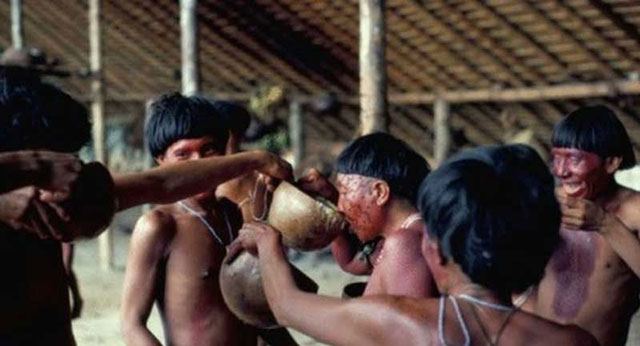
x: 588, y: 284
x: 415, y: 322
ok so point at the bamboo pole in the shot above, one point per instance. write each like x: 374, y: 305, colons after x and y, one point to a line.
x: 442, y: 129
x: 373, y: 79
x: 16, y: 24
x: 97, y: 113
x: 296, y: 132
x: 189, y: 47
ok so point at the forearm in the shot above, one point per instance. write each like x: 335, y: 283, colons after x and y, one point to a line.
x: 14, y: 172
x: 623, y: 241
x: 171, y: 182
x: 320, y: 317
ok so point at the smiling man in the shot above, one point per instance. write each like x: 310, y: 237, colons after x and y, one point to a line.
x: 592, y: 278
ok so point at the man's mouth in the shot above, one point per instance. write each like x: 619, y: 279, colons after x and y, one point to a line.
x: 573, y: 189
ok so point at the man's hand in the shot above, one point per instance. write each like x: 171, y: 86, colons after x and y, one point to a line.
x: 276, y: 167
x: 315, y: 183
x: 580, y: 213
x: 255, y: 237
x: 22, y: 209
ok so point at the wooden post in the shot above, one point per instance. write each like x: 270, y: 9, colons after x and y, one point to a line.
x: 97, y: 114
x: 373, y: 79
x: 296, y: 132
x: 16, y: 24
x: 148, y: 158
x: 189, y: 47
x: 442, y: 129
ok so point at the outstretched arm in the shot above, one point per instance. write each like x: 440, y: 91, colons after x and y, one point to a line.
x: 363, y: 321
x: 149, y: 245
x: 172, y: 182
x: 45, y: 169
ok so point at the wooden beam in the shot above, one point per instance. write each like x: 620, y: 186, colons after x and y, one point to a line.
x: 442, y: 126
x: 189, y: 47
x: 373, y: 91
x: 558, y: 92
x: 16, y: 24
x: 97, y: 114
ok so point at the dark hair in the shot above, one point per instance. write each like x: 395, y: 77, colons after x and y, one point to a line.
x: 35, y: 115
x: 234, y: 115
x: 382, y: 156
x: 174, y: 117
x: 595, y: 129
x: 493, y: 210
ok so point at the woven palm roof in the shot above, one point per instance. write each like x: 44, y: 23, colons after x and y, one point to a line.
x: 311, y: 46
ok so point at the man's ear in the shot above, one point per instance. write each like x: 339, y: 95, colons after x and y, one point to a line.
x: 381, y: 191
x: 611, y: 164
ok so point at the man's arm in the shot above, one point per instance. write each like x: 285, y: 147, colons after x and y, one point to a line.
x: 149, y: 244
x: 45, y: 169
x: 345, y: 250
x: 362, y: 321
x: 172, y: 182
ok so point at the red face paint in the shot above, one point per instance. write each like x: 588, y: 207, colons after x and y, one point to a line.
x: 190, y: 149
x: 582, y: 173
x: 356, y: 202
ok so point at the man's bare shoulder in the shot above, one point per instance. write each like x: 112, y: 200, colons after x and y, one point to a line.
x: 547, y: 332
x: 158, y: 224
x: 574, y: 335
x: 629, y: 204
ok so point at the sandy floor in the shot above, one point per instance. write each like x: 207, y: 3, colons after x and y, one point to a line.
x: 101, y: 291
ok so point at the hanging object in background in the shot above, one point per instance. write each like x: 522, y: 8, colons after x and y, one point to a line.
x: 326, y: 104
x: 33, y: 59
x: 264, y: 100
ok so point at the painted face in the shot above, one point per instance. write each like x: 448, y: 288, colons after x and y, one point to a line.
x: 190, y: 149
x: 582, y: 174
x: 356, y: 202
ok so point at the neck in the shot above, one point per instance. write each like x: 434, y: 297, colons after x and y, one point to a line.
x: 607, y: 193
x: 398, y: 212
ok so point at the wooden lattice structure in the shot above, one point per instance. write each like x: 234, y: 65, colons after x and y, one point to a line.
x: 311, y: 46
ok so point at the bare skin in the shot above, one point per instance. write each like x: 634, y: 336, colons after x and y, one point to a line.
x: 175, y: 260
x: 396, y: 266
x: 35, y: 296
x: 386, y: 320
x: 592, y: 278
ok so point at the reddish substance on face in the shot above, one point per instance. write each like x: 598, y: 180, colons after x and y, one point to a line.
x: 573, y: 263
x: 357, y: 203
x: 190, y: 149
x: 582, y: 173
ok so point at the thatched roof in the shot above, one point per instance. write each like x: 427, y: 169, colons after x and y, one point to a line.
x: 311, y: 46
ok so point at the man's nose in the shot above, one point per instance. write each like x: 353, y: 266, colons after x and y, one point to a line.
x: 560, y: 170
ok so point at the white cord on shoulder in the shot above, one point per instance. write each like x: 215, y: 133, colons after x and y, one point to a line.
x: 481, y: 302
x: 463, y: 325
x: 411, y: 219
x: 208, y: 225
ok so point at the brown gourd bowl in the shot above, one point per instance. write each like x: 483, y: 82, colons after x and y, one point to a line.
x: 306, y: 223
x: 242, y: 291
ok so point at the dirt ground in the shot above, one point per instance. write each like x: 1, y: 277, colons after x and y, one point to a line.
x: 101, y: 290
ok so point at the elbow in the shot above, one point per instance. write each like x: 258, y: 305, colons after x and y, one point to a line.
x: 129, y: 327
